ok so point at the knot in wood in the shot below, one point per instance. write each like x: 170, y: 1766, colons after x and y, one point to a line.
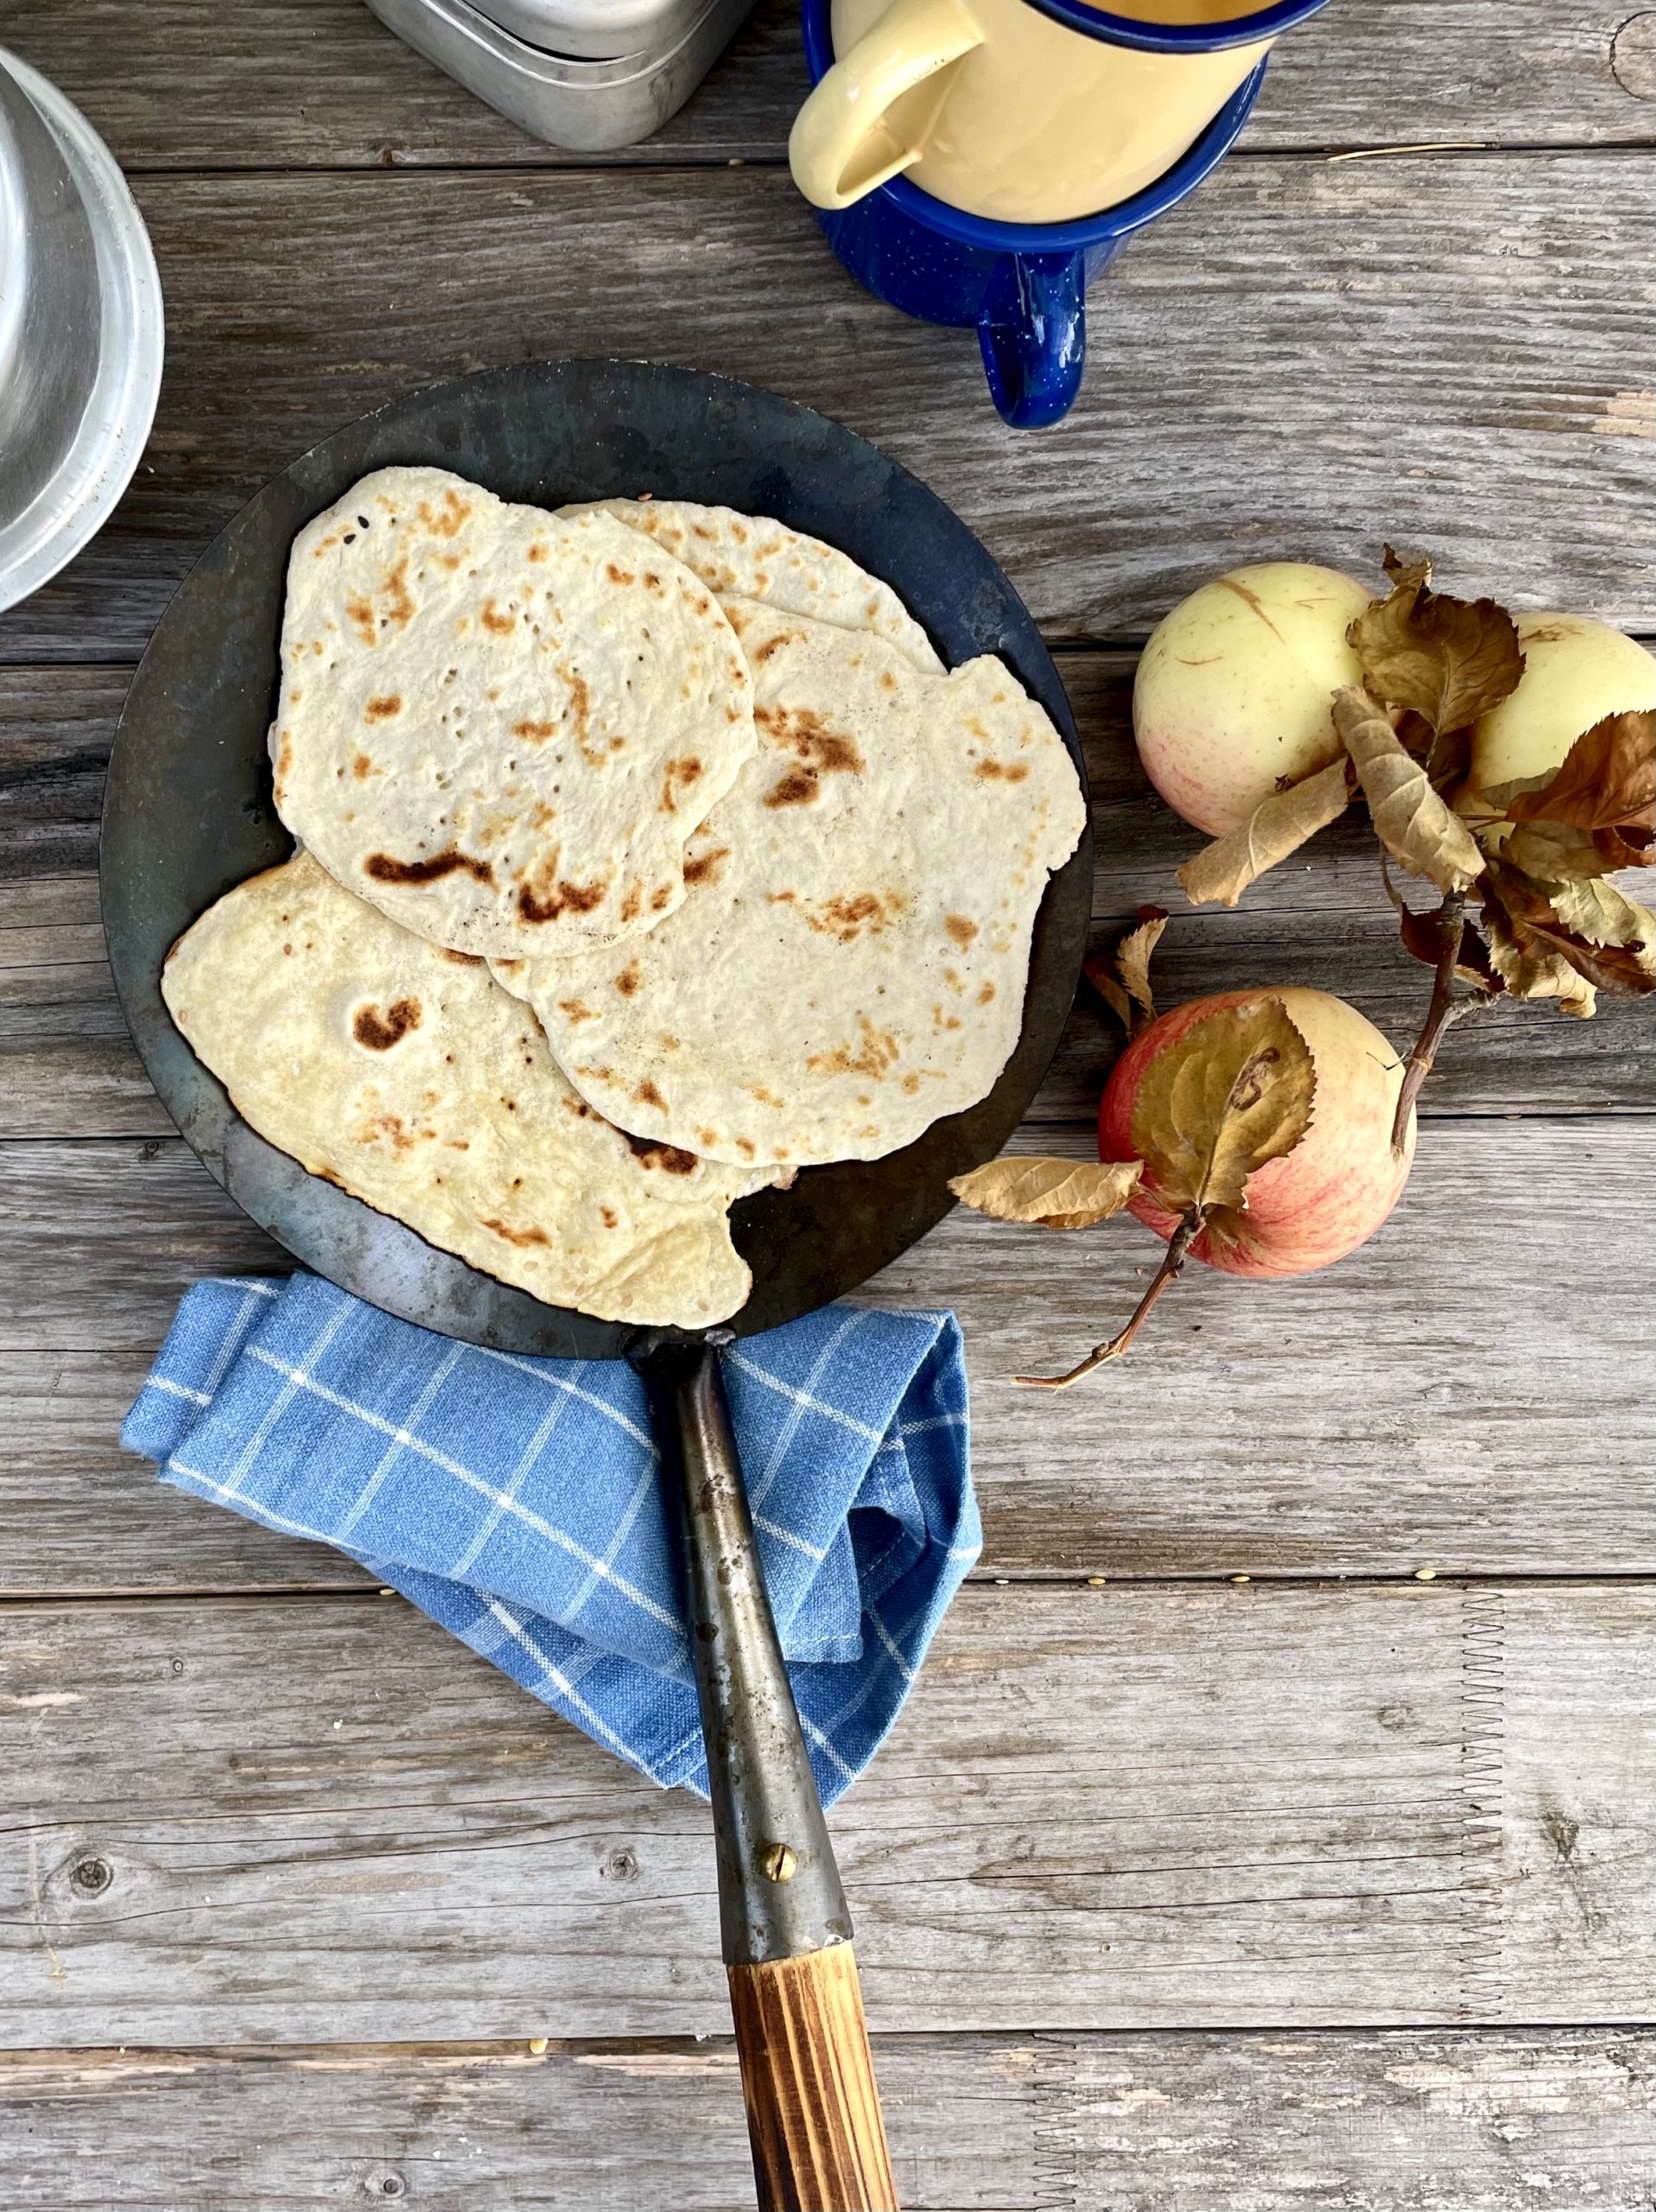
x: 90, y: 1877
x: 619, y: 1866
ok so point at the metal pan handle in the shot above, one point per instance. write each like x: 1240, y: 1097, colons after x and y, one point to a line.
x: 808, y: 2078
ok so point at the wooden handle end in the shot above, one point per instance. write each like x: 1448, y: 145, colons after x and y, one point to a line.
x: 808, y: 2079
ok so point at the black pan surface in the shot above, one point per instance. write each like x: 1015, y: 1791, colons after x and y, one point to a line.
x: 188, y: 811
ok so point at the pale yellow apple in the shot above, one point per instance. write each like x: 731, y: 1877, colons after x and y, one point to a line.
x: 1333, y: 1190
x: 1233, y: 695
x: 1575, y: 671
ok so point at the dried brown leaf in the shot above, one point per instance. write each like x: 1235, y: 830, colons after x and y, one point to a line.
x: 1625, y: 848
x: 1056, y: 1193
x: 1277, y: 827
x: 1417, y: 827
x: 1448, y: 659
x: 1553, y: 852
x: 1606, y: 781
x: 1527, y: 935
x: 1133, y: 958
x: 1529, y: 970
x: 1604, y: 916
x: 1235, y: 1092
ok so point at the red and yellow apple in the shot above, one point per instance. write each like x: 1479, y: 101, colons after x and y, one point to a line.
x: 1331, y: 1192
x: 1234, y: 692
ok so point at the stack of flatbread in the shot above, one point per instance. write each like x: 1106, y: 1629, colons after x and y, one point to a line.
x: 648, y: 854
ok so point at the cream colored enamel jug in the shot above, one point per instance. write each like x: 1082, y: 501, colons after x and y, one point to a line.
x: 1006, y: 112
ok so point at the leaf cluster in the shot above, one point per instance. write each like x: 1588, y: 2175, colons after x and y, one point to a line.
x: 1527, y: 860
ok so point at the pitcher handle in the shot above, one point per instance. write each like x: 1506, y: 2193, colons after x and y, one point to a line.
x: 1032, y: 331
x: 842, y: 146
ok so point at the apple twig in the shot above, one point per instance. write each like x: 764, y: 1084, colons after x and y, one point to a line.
x: 1172, y: 1265
x: 1443, y: 1012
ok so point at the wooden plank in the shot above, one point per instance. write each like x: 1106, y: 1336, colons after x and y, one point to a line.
x: 1409, y: 2120
x: 1403, y: 1409
x: 318, y: 83
x: 1385, y: 1804
x: 1213, y: 428
x: 66, y: 1068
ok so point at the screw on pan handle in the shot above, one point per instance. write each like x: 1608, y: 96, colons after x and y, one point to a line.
x: 807, y: 2076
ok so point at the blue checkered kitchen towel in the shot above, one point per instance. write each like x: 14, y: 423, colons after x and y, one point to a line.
x: 517, y: 1501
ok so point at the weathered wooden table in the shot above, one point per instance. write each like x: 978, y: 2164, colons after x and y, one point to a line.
x: 1329, y: 1887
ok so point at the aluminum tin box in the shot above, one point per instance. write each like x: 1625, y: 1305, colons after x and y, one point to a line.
x: 589, y: 75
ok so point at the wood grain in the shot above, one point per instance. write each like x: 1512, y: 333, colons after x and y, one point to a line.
x: 1281, y: 365
x: 318, y: 83
x: 286, y: 1820
x: 1407, y: 2120
x: 807, y: 2084
x: 1402, y: 1410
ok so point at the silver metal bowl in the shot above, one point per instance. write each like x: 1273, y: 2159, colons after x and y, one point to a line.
x: 80, y: 331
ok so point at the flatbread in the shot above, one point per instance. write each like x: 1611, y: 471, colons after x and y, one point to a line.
x: 498, y: 727
x: 850, y: 960
x: 408, y: 1077
x: 751, y: 556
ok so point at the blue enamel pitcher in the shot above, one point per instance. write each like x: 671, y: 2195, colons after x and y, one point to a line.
x: 980, y: 162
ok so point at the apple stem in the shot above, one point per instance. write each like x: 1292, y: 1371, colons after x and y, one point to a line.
x: 1172, y: 1265
x: 1444, y: 1011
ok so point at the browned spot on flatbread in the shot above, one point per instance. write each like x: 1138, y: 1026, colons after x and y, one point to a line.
x: 618, y: 575
x: 679, y: 775
x: 986, y: 992
x: 634, y: 898
x: 608, y: 1215
x: 660, y: 898
x: 887, y: 681
x: 536, y: 733
x: 458, y: 959
x: 399, y: 608
x: 960, y: 928
x: 847, y: 918
x: 649, y: 1152
x: 757, y: 1090
x: 629, y: 979
x: 990, y: 771
x: 517, y: 1236
x: 359, y: 613
x: 705, y: 867
x: 381, y: 710
x: 745, y: 1146
x: 563, y: 898
x: 390, y: 1127
x: 647, y: 1094
x: 361, y: 767
x: 445, y: 521
x: 379, y: 1031
x: 806, y: 736
x: 540, y: 550
x: 798, y: 787
x: 501, y: 625
x: 385, y: 869
x: 878, y: 1051
x: 774, y: 644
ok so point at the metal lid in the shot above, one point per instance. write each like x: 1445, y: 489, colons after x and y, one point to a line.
x: 80, y: 331
x: 600, y: 29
